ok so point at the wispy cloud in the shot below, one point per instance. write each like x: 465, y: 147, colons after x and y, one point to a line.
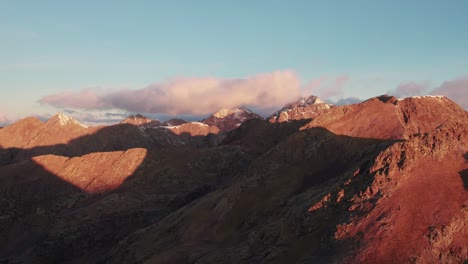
x: 410, y: 89
x: 194, y: 96
x: 457, y: 90
x: 327, y: 88
x: 348, y: 100
x: 84, y: 99
x: 92, y: 118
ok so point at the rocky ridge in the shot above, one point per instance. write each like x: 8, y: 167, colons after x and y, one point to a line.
x: 305, y: 108
x: 229, y: 119
x: 346, y: 186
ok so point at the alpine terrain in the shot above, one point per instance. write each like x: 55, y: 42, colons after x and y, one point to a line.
x: 381, y: 181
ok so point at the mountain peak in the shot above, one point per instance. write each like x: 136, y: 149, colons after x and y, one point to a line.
x: 303, y: 102
x: 63, y: 120
x: 228, y: 119
x: 304, y: 108
x: 231, y: 111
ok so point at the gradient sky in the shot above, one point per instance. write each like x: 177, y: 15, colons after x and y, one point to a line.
x: 336, y: 49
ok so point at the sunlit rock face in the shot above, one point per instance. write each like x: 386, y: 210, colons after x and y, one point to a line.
x: 94, y: 172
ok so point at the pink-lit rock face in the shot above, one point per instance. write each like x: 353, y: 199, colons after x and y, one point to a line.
x: 385, y: 117
x: 94, y: 172
x: 31, y: 132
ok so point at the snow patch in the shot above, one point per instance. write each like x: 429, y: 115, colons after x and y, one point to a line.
x: 424, y: 96
x: 65, y: 120
x: 225, y: 112
x: 195, y: 123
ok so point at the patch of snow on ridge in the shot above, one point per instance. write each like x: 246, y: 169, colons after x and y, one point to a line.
x: 225, y: 112
x: 198, y: 123
x: 424, y: 96
x: 185, y: 124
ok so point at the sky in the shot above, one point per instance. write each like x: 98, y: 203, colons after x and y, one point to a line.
x: 102, y: 60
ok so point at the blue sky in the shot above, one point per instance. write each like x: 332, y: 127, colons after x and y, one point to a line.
x: 53, y: 47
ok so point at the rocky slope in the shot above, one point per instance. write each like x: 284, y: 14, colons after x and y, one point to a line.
x: 305, y: 108
x: 388, y: 117
x: 383, y: 181
x: 322, y: 197
x: 229, y: 119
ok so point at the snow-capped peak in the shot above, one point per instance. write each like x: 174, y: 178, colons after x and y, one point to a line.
x: 303, y: 102
x: 63, y: 120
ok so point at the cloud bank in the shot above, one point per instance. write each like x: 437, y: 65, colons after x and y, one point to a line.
x: 193, y: 96
x: 325, y: 88
x: 348, y: 100
x: 410, y: 89
x: 457, y: 90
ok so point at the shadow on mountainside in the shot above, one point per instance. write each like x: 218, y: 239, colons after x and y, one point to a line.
x: 119, y: 137
x: 263, y: 215
x: 48, y: 219
x: 464, y: 173
x: 34, y: 199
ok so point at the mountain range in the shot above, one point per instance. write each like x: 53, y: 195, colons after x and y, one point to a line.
x: 381, y: 181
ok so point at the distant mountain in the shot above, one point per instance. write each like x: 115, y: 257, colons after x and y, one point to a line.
x: 381, y: 181
x: 304, y: 108
x: 174, y: 122
x: 141, y: 121
x: 229, y: 119
x: 31, y: 132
